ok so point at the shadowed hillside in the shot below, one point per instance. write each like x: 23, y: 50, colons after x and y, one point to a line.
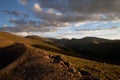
x: 95, y: 48
x: 10, y: 54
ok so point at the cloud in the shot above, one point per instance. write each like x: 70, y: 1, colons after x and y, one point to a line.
x: 97, y: 29
x: 37, y: 8
x: 20, y: 25
x: 63, y: 11
x: 88, y: 9
x: 15, y: 13
x: 28, y: 28
x: 109, y: 34
x: 89, y: 6
x: 23, y: 2
x: 67, y: 18
x: 19, y: 22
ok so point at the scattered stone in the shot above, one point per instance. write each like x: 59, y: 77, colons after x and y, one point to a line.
x: 67, y: 64
x: 79, y: 74
x: 62, y: 63
x: 72, y: 69
x: 47, y: 57
x: 58, y: 58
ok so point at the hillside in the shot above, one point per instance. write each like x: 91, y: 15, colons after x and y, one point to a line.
x: 37, y: 58
x: 13, y: 38
x: 20, y: 61
x: 34, y: 64
x: 94, y: 48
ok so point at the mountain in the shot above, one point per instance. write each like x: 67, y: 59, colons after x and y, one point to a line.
x: 83, y: 41
x: 94, y: 48
x: 38, y: 58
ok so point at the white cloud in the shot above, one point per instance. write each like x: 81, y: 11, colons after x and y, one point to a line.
x: 78, y: 24
x: 21, y: 33
x: 108, y: 34
x: 24, y: 2
x: 66, y: 24
x: 37, y: 8
x: 51, y: 11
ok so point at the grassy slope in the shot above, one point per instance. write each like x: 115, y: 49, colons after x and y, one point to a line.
x: 9, y: 39
x: 102, y: 70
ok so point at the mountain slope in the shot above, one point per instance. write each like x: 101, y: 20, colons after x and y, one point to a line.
x: 14, y: 38
x: 95, y: 48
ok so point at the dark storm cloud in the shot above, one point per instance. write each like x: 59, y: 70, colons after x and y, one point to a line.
x: 15, y: 13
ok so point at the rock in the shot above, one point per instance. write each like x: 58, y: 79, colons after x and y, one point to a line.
x: 62, y: 63
x: 79, y: 74
x: 58, y: 58
x: 72, y: 69
x: 67, y: 64
x: 47, y: 57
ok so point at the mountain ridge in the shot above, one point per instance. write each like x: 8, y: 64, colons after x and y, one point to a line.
x: 94, y: 48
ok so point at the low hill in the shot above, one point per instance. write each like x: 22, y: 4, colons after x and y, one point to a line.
x: 14, y: 38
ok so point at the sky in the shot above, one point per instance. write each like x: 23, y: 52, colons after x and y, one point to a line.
x: 61, y: 18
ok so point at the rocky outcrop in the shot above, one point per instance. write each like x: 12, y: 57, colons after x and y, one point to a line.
x: 62, y: 61
x: 37, y: 64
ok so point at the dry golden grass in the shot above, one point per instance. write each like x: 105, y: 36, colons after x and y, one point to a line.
x: 5, y: 42
x: 35, y: 64
x: 101, y: 70
x: 14, y: 38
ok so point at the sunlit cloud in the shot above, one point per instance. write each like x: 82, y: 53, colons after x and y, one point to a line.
x: 23, y: 2
x: 37, y: 8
